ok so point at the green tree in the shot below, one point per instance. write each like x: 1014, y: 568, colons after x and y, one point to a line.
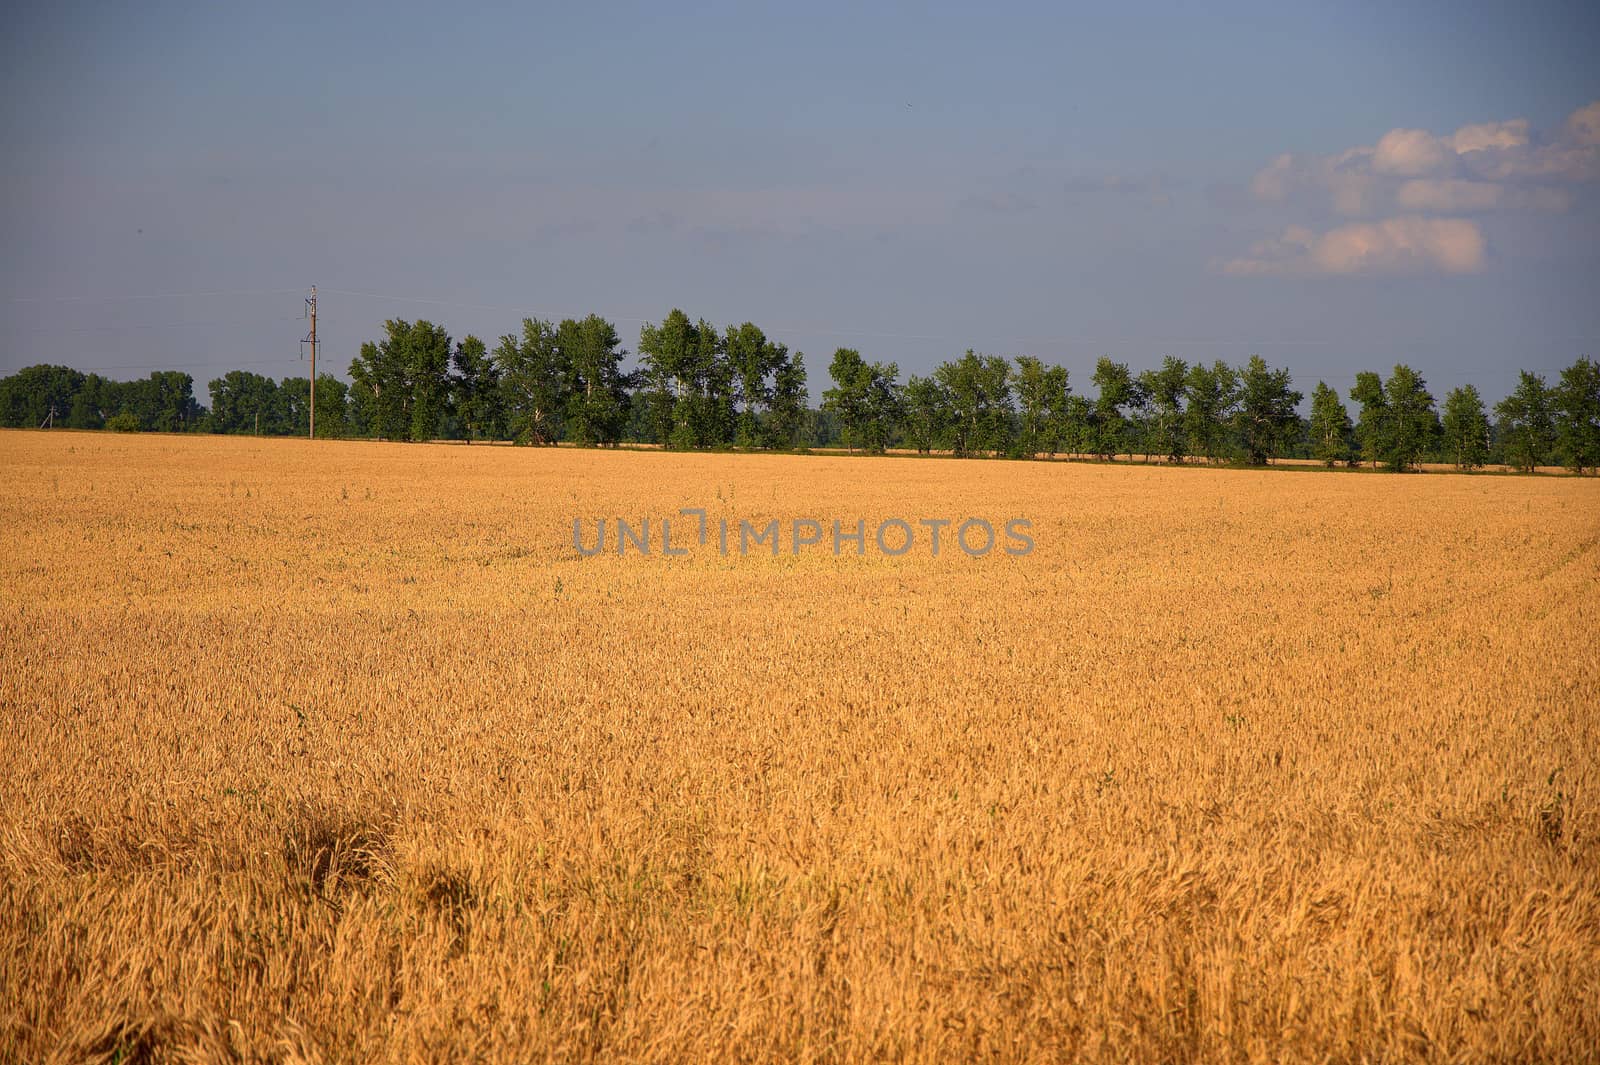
x: 716, y: 422
x: 865, y: 398
x: 1577, y: 410
x: 1330, y: 426
x: 476, y: 393
x: 596, y: 386
x: 1398, y: 422
x: 1031, y: 382
x: 822, y: 428
x: 333, y: 406
x: 378, y: 403
x: 786, y: 420
x: 1110, y: 425
x: 884, y: 407
x: 847, y: 399
x: 1415, y: 423
x: 1058, y: 409
x: 980, y: 404
x: 1141, y: 417
x: 1527, y: 427
x: 752, y: 358
x: 533, y: 382
x: 90, y: 404
x: 1465, y: 428
x: 687, y: 372
x: 927, y: 413
x: 245, y: 402
x: 1075, y: 424
x: 1372, y: 422
x: 163, y: 402
x: 401, y: 383
x: 428, y: 372
x: 1213, y: 393
x: 656, y: 402
x: 36, y: 395
x: 295, y: 395
x: 1265, y: 417
x: 1167, y: 388
x: 294, y: 398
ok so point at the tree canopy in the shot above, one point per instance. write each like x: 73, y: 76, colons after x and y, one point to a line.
x: 696, y: 386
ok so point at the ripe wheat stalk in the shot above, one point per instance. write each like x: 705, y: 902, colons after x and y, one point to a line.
x: 341, y: 753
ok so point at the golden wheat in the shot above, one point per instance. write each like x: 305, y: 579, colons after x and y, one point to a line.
x: 340, y: 752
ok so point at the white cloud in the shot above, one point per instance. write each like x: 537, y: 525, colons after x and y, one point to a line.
x: 1410, y: 152
x: 1352, y: 191
x: 1414, y: 170
x: 1346, y: 180
x: 1449, y: 195
x: 1274, y: 181
x: 1513, y: 134
x: 1410, y: 175
x: 1583, y: 125
x: 1403, y: 245
x: 1457, y: 196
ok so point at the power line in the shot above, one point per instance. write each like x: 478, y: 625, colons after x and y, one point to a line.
x: 440, y: 302
x: 212, y: 365
x: 813, y: 329
x: 1154, y: 343
x: 154, y: 296
x: 73, y: 330
x: 821, y: 330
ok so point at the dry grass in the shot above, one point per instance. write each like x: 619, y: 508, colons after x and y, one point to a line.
x: 338, y: 752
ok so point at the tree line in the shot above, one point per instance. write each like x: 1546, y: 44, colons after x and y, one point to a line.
x: 59, y: 395
x: 696, y: 386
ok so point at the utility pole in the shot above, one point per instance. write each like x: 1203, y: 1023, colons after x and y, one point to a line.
x: 311, y: 338
x: 50, y: 419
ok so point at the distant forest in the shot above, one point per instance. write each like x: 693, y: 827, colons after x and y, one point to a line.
x: 700, y: 388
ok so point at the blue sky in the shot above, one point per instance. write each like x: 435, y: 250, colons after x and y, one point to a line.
x: 1334, y: 187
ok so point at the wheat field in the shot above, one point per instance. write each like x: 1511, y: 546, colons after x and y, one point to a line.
x: 340, y: 752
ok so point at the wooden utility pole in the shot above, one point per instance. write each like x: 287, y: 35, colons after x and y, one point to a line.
x: 311, y: 338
